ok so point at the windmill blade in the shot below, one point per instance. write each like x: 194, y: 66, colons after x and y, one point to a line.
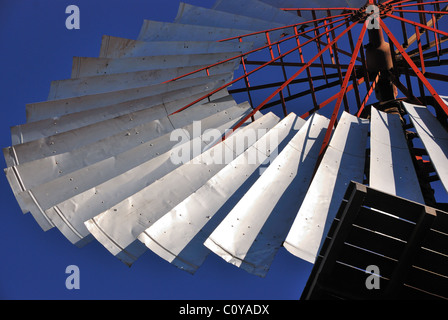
x: 118, y: 228
x: 257, y: 9
x: 189, y: 14
x: 167, y: 31
x: 253, y: 231
x: 307, y: 14
x: 391, y: 167
x: 178, y: 236
x: 136, y: 170
x: 433, y: 136
x: 76, y: 138
x: 69, y: 88
x: 32, y: 176
x: 55, y: 109
x: 168, y: 100
x: 115, y: 47
x: 89, y: 67
x: 343, y: 162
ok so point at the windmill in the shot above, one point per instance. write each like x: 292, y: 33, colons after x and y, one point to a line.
x: 149, y: 145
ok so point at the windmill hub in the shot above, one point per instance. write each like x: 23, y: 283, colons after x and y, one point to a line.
x: 379, y: 62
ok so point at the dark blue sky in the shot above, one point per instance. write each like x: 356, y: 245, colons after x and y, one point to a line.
x: 36, y: 49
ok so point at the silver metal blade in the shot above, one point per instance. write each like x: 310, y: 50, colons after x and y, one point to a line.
x: 104, y: 170
x: 118, y: 228
x: 433, y: 136
x: 391, y: 167
x: 69, y: 216
x: 48, y: 127
x: 255, y: 229
x: 179, y: 235
x: 114, y: 47
x: 89, y: 66
x: 33, y: 173
x: 189, y: 14
x: 73, y: 139
x: 257, y: 9
x: 165, y: 31
x: 57, y: 108
x: 69, y: 88
x: 343, y: 161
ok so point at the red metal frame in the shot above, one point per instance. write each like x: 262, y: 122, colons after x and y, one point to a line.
x: 290, y: 79
x: 416, y: 70
x: 324, y: 28
x: 343, y: 91
x: 256, y: 69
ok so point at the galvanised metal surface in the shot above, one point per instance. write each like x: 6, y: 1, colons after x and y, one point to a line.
x: 114, y: 47
x: 118, y: 228
x: 89, y: 66
x: 87, y: 167
x: 33, y: 173
x: 343, y: 162
x: 69, y: 216
x: 178, y: 236
x: 70, y: 140
x: 68, y: 88
x: 136, y: 167
x: 57, y: 108
x: 168, y: 31
x: 258, y: 10
x: 307, y: 14
x: 391, y: 167
x: 433, y: 136
x: 257, y: 225
x: 48, y: 127
x: 189, y: 14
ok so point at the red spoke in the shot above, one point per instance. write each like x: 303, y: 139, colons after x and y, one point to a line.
x: 284, y: 27
x: 417, y: 24
x: 416, y: 70
x: 293, y: 77
x: 419, y: 43
x: 419, y: 4
x: 422, y: 11
x: 329, y: 100
x: 343, y: 91
x: 369, y: 93
x: 398, y: 2
x: 436, y: 37
x: 251, y: 72
x: 317, y: 9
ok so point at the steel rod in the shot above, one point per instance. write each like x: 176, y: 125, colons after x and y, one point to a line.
x: 369, y: 93
x: 290, y: 79
x: 411, y: 63
x: 308, y: 71
x: 419, y: 43
x: 282, y: 28
x: 342, y: 92
x: 249, y: 73
x: 416, y: 4
x: 329, y: 100
x: 421, y: 11
x: 418, y: 24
